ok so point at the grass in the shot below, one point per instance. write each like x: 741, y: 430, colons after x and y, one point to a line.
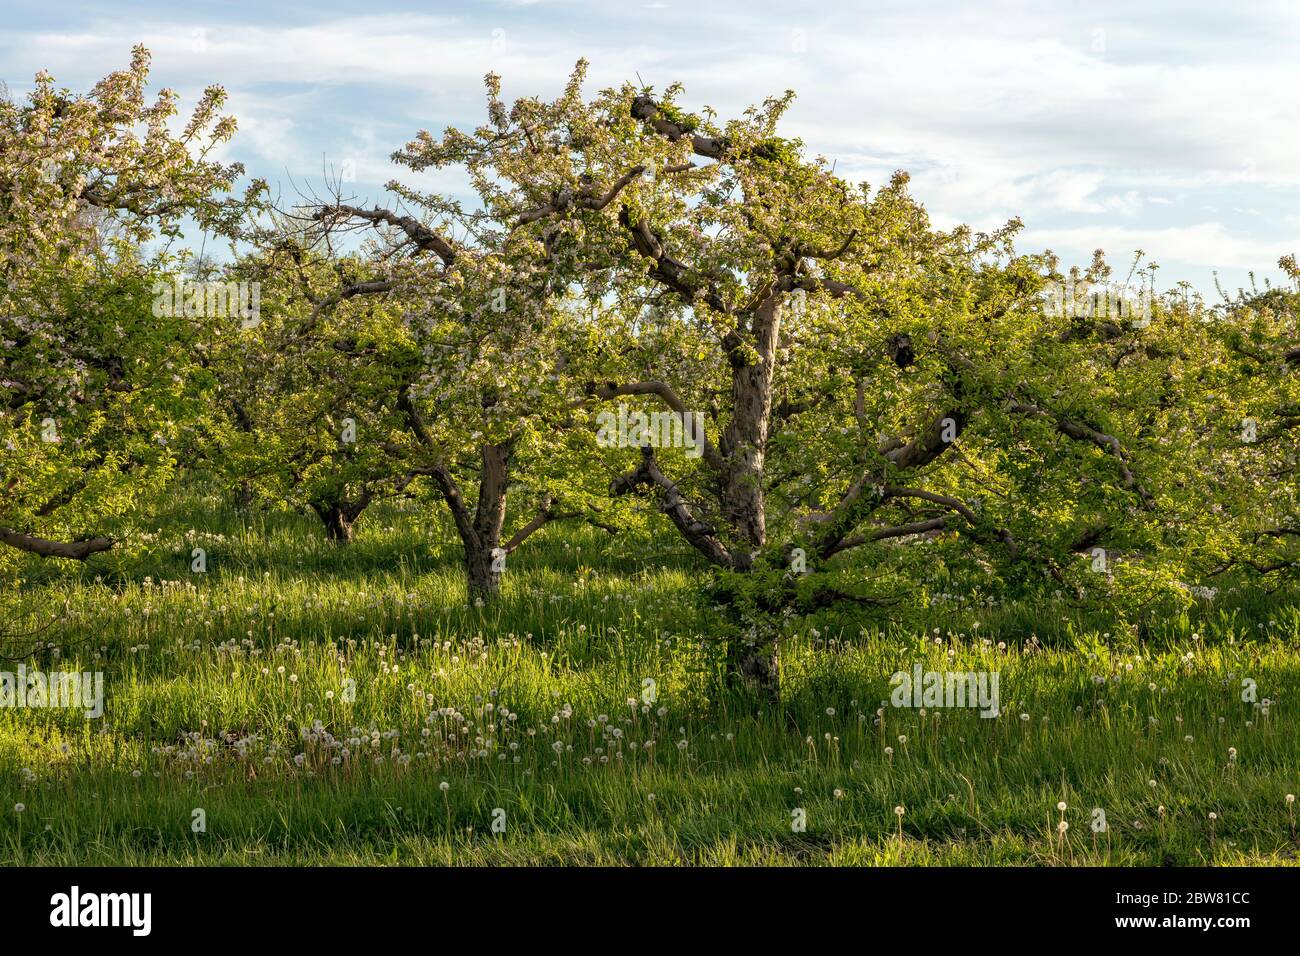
x: 307, y: 704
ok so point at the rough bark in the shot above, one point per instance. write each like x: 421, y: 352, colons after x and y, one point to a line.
x: 754, y: 663
x: 338, y: 519
x: 744, y: 441
x: 482, y: 579
x: 76, y: 550
x: 484, y: 555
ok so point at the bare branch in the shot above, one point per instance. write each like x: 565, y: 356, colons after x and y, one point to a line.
x: 1080, y: 431
x: 421, y: 235
x: 76, y: 550
x: 701, y: 536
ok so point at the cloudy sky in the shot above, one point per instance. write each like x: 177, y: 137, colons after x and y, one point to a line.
x: 1169, y: 127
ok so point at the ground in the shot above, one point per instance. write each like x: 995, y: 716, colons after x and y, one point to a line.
x: 305, y: 703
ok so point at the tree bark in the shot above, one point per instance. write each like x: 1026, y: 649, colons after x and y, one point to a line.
x: 242, y: 495
x: 482, y: 574
x: 744, y: 441
x: 484, y: 557
x: 76, y: 550
x: 340, y: 517
x: 753, y: 663
x: 338, y: 528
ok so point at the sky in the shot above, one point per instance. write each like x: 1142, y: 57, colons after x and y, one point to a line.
x: 1169, y: 127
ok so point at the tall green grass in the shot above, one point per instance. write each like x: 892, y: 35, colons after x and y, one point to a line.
x: 312, y: 702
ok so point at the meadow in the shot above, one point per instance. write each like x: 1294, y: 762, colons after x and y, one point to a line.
x: 301, y: 703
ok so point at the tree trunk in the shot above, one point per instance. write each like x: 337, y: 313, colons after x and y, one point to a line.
x: 484, y: 558
x: 752, y: 659
x: 243, y: 495
x: 482, y: 574
x: 480, y: 534
x: 337, y: 526
x: 339, y: 517
x: 753, y: 663
x: 744, y: 441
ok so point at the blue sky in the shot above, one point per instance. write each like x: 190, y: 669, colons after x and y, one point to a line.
x: 1170, y: 127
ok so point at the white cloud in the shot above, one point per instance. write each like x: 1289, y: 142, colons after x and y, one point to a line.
x: 1208, y: 244
x: 1104, y: 120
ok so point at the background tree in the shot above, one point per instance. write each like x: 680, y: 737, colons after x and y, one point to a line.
x: 93, y: 386
x: 486, y: 300
x: 1251, y: 430
x: 307, y: 417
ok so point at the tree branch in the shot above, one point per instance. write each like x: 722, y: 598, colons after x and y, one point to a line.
x: 76, y: 550
x: 700, y: 535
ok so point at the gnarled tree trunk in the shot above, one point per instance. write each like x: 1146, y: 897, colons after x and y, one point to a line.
x: 340, y: 517
x: 484, y: 556
x: 753, y: 658
x: 744, y: 441
x: 479, y: 533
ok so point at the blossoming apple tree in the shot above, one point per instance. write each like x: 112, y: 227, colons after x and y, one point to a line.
x: 94, y: 387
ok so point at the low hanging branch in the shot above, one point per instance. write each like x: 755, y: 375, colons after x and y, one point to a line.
x: 669, y: 396
x: 545, y: 515
x: 1083, y: 432
x: 700, y: 535
x: 76, y: 550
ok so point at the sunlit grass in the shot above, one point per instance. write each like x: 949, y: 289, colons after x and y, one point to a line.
x: 311, y: 701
